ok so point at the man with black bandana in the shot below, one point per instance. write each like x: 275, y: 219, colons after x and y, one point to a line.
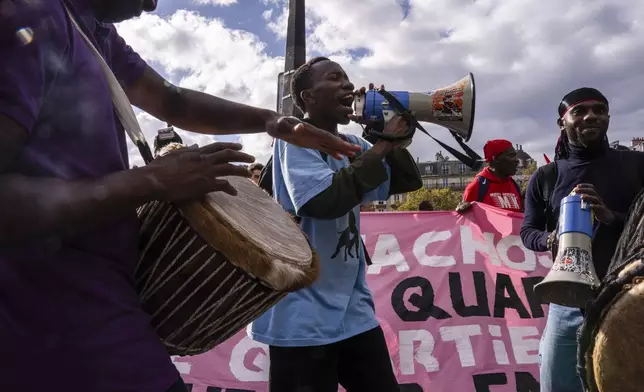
x: 606, y: 178
x: 70, y: 316
x: 328, y: 333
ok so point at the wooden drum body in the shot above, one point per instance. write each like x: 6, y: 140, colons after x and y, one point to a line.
x: 210, y: 267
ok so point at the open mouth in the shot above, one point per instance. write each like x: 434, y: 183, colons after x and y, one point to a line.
x: 346, y: 101
x: 591, y: 130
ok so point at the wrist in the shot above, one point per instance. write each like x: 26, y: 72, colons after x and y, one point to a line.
x: 268, y: 116
x: 139, y: 185
x: 610, y: 218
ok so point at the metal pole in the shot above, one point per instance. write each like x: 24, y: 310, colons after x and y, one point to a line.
x: 295, y: 56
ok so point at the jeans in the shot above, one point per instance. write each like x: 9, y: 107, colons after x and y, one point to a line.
x: 558, y: 351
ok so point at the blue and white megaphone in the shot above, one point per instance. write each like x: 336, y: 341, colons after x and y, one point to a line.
x: 451, y: 107
x: 572, y: 280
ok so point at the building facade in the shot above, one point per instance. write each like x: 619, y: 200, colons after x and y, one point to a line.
x: 637, y: 144
x: 444, y: 172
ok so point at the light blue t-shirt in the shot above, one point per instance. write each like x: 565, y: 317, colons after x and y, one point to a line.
x: 339, y: 304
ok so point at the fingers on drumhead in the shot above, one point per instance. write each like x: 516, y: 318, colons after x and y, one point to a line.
x: 219, y: 146
x: 229, y: 169
x: 229, y: 155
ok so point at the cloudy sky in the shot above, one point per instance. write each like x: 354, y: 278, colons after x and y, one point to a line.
x: 524, y: 54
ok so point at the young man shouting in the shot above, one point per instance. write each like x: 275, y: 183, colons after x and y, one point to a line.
x: 328, y: 334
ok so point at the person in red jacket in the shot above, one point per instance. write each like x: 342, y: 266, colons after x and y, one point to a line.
x: 494, y: 184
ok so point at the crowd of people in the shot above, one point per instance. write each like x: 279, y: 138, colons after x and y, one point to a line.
x: 69, y: 308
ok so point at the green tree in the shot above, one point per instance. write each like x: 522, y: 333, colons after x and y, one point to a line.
x: 442, y: 199
x: 527, y: 171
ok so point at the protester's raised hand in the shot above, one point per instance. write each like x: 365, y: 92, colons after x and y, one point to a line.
x: 294, y: 131
x: 194, y: 171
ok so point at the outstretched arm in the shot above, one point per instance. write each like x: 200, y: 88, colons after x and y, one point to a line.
x: 193, y: 110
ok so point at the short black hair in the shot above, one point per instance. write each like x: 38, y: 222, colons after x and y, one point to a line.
x: 425, y: 205
x: 255, y: 166
x: 301, y: 81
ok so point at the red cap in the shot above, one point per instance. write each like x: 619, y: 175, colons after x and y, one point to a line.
x: 495, y: 147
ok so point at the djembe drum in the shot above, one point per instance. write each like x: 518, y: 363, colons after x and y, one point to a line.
x: 611, y: 338
x: 209, y: 267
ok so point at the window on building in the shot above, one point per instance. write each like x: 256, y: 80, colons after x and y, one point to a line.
x: 462, y: 168
x: 445, y: 169
x: 429, y: 169
x: 445, y: 182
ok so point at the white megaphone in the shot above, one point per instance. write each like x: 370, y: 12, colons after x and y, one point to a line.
x: 572, y: 280
x: 451, y: 107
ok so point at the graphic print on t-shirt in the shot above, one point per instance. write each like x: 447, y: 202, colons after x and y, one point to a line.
x: 505, y: 200
x: 349, y: 239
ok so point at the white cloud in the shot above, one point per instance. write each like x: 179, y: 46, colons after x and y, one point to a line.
x: 525, y: 55
x: 216, y: 2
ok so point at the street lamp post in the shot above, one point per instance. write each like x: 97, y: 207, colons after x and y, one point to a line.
x: 295, y: 57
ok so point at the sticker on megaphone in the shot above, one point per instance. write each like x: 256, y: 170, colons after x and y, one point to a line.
x: 451, y: 107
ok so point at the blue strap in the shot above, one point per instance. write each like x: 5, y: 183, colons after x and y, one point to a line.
x: 483, y: 187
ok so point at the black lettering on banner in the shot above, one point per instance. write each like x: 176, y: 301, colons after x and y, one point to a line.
x: 512, y: 301
x: 424, y: 302
x: 526, y: 382
x: 483, y: 382
x: 213, y: 389
x: 189, y: 387
x: 481, y: 308
x: 534, y: 300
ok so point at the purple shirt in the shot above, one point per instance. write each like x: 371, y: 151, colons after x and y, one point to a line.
x: 69, y: 311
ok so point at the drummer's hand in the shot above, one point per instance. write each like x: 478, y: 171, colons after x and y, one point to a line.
x: 193, y: 171
x: 589, y: 195
x: 294, y: 131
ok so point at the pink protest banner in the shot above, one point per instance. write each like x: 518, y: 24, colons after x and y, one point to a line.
x: 454, y: 295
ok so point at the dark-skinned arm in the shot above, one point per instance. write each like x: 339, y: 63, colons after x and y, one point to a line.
x: 36, y: 208
x: 364, y: 174
x: 193, y: 110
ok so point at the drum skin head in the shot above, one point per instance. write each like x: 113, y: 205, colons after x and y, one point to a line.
x: 256, y: 234
x: 618, y: 354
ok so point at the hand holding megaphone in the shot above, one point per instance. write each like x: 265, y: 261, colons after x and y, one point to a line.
x: 589, y: 194
x: 358, y: 116
x: 395, y: 125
